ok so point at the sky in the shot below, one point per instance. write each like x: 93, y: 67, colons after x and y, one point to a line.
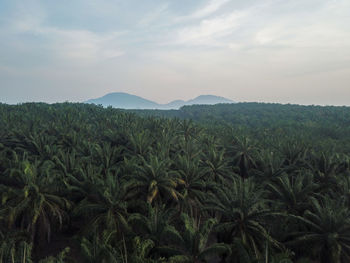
x: 285, y: 51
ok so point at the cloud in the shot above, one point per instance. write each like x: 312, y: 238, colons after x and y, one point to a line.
x: 209, y: 31
x: 268, y: 24
x: 82, y: 44
x: 211, y: 7
x: 258, y: 49
x: 60, y: 43
x: 322, y: 28
x: 154, y: 15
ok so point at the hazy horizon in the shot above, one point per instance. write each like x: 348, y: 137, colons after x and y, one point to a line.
x: 247, y: 50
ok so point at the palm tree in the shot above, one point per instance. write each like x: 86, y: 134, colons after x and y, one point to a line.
x: 167, y: 139
x: 67, y: 163
x: 31, y: 205
x: 216, y: 165
x: 154, y: 180
x: 155, y: 226
x: 192, y: 243
x: 14, y: 247
x: 188, y: 130
x: 36, y: 143
x: 269, y: 165
x: 343, y: 189
x: 294, y: 154
x: 243, y: 214
x: 86, y: 183
x: 326, y: 167
x: 242, y: 254
x: 140, y: 142
x: 327, y: 230
x: 292, y: 193
x: 244, y: 156
x: 107, y: 156
x: 60, y: 258
x: 108, y: 208
x: 98, y: 248
x: 190, y: 148
x: 141, y: 249
x: 193, y: 186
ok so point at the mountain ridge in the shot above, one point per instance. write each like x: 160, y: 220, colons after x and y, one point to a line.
x: 129, y: 101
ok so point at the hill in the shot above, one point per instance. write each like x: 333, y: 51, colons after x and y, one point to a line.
x: 128, y: 101
x: 124, y: 101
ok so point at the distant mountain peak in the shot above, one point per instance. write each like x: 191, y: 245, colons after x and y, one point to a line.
x: 206, y: 96
x: 208, y: 99
x: 124, y: 101
x: 128, y: 101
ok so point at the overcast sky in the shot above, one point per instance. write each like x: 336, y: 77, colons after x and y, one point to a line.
x: 288, y: 51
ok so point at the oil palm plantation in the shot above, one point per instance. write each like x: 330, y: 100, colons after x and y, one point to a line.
x: 111, y: 184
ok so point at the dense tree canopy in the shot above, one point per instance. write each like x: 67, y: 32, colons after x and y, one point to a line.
x: 236, y: 183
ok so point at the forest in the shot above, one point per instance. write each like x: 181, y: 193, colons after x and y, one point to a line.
x: 234, y: 183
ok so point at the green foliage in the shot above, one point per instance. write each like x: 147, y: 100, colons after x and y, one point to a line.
x: 60, y: 258
x: 246, y: 182
x: 191, y: 243
x: 327, y: 230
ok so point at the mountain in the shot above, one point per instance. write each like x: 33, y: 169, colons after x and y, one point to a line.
x: 208, y: 99
x: 124, y: 101
x: 127, y: 101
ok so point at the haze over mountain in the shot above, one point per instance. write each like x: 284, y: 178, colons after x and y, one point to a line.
x: 129, y: 101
